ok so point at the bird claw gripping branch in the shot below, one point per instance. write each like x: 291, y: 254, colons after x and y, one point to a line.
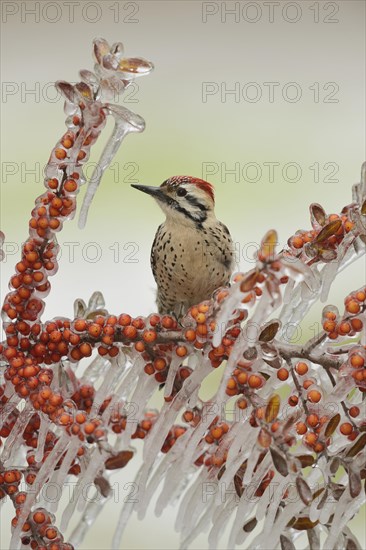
x: 297, y: 411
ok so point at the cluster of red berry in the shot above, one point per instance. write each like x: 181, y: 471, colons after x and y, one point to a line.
x: 39, y: 531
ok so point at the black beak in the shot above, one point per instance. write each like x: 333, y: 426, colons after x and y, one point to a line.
x: 155, y: 192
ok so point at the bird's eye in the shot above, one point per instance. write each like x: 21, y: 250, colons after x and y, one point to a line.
x: 181, y: 192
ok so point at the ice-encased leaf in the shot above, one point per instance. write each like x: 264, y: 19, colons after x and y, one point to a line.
x: 303, y: 523
x: 273, y: 408
x: 117, y: 49
x: 279, y: 462
x: 135, y: 65
x: 67, y: 90
x: 119, y: 460
x: 332, y: 425
x: 249, y: 281
x: 111, y: 88
x: 101, y: 48
x: 358, y: 446
x: 269, y: 331
x: 305, y: 460
x: 318, y: 213
x: 286, y: 543
x: 363, y: 208
x: 330, y: 229
x: 334, y: 465
x: 89, y: 78
x: 103, y: 486
x: 79, y: 308
x: 96, y: 301
x: 304, y: 490
x: 250, y: 525
x: 355, y: 484
x: 268, y: 245
x: 96, y: 313
x: 84, y: 90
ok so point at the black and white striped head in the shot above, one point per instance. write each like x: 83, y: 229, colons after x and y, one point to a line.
x: 184, y: 199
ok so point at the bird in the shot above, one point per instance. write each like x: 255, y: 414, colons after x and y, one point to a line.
x: 192, y: 254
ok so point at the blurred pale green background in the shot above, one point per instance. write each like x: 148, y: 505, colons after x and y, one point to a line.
x: 307, y: 49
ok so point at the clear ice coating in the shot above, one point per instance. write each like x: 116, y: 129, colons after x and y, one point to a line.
x: 113, y: 74
x: 75, y: 393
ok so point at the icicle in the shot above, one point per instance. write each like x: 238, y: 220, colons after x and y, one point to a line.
x: 209, y: 411
x: 272, y: 529
x: 220, y: 520
x: 42, y: 434
x: 148, y: 490
x: 198, y: 503
x: 351, y: 255
x: 88, y: 518
x: 265, y: 307
x: 130, y: 378
x: 326, y: 511
x: 125, y: 514
x: 106, y: 387
x: 239, y: 433
x: 190, y: 495
x: 279, y: 483
x: 125, y: 122
x: 172, y: 480
x: 243, y: 535
x: 175, y: 482
x: 329, y: 273
x: 252, y: 461
x: 299, y: 272
x: 287, y: 309
x: 200, y: 527
x: 95, y: 369
x: 263, y: 501
x: 157, y: 435
x: 331, y: 269
x: 61, y: 474
x: 95, y: 463
x: 314, y: 511
x: 92, y: 472
x: 13, y: 398
x: 44, y: 473
x: 269, y: 537
x: 344, y: 511
x: 241, y: 345
x: 173, y: 369
x: 281, y: 523
x: 225, y: 313
x: 139, y: 399
x: 16, y: 432
x: 243, y: 512
x: 8, y: 408
x: 287, y: 297
x: 239, y: 451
